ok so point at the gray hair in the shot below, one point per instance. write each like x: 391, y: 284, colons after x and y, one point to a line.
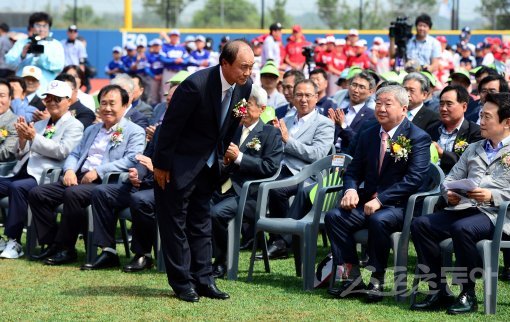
x: 259, y: 94
x: 398, y: 92
x: 366, y: 76
x: 424, y: 82
x: 125, y: 81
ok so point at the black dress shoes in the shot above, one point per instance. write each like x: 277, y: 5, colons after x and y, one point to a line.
x: 62, y: 257
x: 505, y: 274
x: 189, y: 295
x: 440, y: 300
x: 374, y: 292
x: 212, y: 292
x: 350, y: 288
x: 219, y: 270
x: 139, y: 263
x: 105, y: 260
x: 465, y: 303
x: 277, y: 250
x: 45, y: 253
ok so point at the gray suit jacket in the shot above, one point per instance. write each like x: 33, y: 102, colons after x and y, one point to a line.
x: 494, y: 176
x: 117, y: 158
x: 7, y: 148
x: 312, y: 142
x: 43, y: 153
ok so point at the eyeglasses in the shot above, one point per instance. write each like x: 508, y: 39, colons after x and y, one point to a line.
x: 488, y: 90
x: 358, y: 86
x: 51, y: 98
x: 41, y: 25
x: 305, y: 95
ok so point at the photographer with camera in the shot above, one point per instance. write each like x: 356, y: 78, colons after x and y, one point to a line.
x: 39, y: 49
x: 422, y: 47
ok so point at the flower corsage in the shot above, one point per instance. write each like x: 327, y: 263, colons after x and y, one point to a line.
x: 505, y: 161
x: 117, y: 137
x: 49, y: 131
x: 460, y: 146
x: 254, y: 144
x: 241, y: 108
x: 3, y: 134
x: 400, y: 148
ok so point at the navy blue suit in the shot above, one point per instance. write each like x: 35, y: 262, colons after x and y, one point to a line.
x: 363, y: 117
x: 137, y: 117
x: 192, y: 129
x: 397, y: 181
x: 282, y: 110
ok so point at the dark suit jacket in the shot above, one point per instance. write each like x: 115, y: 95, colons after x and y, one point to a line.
x: 191, y: 127
x: 365, y: 114
x: 37, y: 102
x: 425, y: 118
x: 281, y: 110
x: 137, y: 117
x: 398, y: 180
x: 82, y: 114
x: 472, y: 112
x: 257, y: 164
x: 468, y: 131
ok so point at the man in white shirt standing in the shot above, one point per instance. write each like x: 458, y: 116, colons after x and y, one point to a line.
x: 271, y: 49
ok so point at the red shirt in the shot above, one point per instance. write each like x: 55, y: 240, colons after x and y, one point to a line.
x: 339, y: 61
x: 294, y: 50
x: 362, y: 61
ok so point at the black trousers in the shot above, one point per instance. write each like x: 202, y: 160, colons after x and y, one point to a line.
x: 466, y: 228
x: 341, y: 224
x: 223, y: 210
x: 43, y: 201
x: 105, y: 200
x: 184, y: 221
x: 143, y: 226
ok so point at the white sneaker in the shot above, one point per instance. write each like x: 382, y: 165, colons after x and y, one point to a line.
x: 3, y: 244
x: 13, y: 250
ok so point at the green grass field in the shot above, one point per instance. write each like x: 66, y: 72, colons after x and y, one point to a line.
x: 31, y: 291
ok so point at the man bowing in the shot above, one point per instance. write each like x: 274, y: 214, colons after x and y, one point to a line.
x: 195, y: 134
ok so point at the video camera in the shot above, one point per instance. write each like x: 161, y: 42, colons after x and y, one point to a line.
x: 401, y: 31
x: 35, y: 48
x: 308, y: 52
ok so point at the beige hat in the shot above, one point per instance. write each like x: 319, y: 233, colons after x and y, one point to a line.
x: 32, y: 71
x: 59, y: 89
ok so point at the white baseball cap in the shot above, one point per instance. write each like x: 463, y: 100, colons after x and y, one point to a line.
x: 59, y: 89
x: 32, y: 71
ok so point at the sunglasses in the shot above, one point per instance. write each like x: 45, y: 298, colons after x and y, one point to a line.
x: 50, y: 98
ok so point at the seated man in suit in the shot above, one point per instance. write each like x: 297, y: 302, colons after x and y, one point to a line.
x: 255, y: 153
x: 108, y: 146
x: 138, y: 103
x: 126, y: 82
x: 467, y: 221
x: 392, y: 160
x: 42, y: 145
x: 352, y: 114
x: 307, y: 137
x: 8, y: 134
x: 417, y: 86
x: 138, y: 195
x: 290, y: 78
x: 77, y: 109
x: 452, y: 135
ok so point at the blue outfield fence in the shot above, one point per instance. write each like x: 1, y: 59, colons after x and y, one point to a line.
x: 101, y: 42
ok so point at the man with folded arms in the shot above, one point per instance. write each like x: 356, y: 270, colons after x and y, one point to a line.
x: 390, y: 175
x: 486, y: 162
x: 106, y: 147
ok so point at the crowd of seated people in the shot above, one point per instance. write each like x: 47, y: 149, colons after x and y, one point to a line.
x: 463, y: 123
